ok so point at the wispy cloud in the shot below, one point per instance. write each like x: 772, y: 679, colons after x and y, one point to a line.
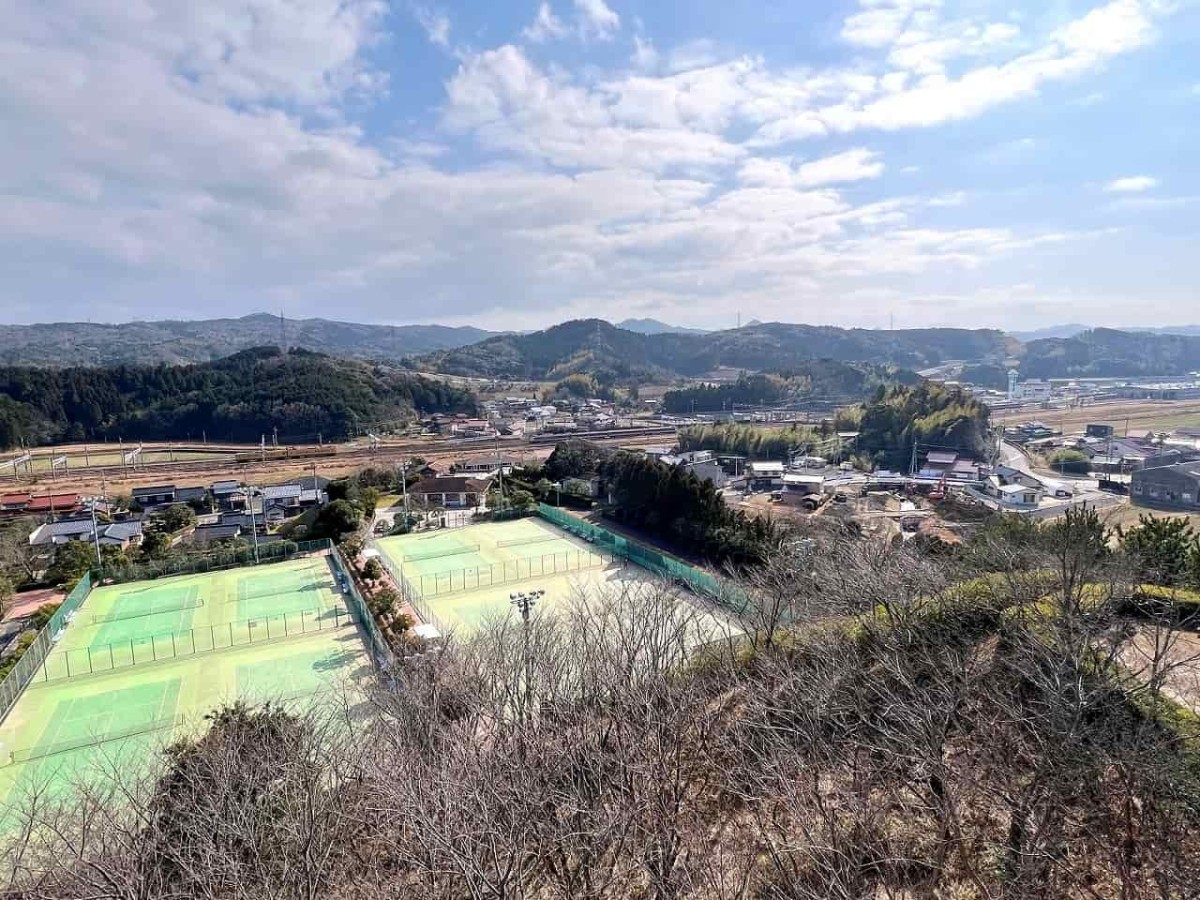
x: 858, y: 164
x: 597, y: 19
x: 546, y: 26
x: 435, y: 23
x: 1131, y: 184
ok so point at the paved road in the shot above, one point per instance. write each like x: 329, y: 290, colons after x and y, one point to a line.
x: 1085, y: 491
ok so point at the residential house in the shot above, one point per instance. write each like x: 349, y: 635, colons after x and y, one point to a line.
x: 1003, y: 476
x: 283, y: 498
x: 938, y: 464
x: 192, y: 496
x: 966, y: 470
x: 228, y: 494
x: 207, y: 534
x: 244, y: 521
x: 1020, y: 496
x: 451, y: 491
x: 1175, y: 487
x: 80, y: 528
x: 55, y: 504
x: 485, y: 465
x: 765, y: 476
x: 701, y: 463
x: 797, y: 486
x: 153, y: 497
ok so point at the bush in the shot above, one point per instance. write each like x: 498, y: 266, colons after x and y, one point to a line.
x: 1071, y: 462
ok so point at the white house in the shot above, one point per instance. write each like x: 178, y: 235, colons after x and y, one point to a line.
x: 1018, y: 496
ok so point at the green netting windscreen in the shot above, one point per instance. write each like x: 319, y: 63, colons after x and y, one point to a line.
x: 700, y: 582
x: 380, y: 649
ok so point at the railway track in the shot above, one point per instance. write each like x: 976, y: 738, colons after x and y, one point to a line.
x: 246, y: 465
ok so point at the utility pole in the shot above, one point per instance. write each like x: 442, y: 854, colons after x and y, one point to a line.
x: 253, y: 526
x: 96, y: 533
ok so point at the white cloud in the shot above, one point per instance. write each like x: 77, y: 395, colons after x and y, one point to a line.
x: 546, y: 26
x: 1080, y: 46
x: 853, y: 165
x: 596, y: 19
x: 208, y: 153
x: 655, y: 124
x: 435, y: 23
x: 955, y: 198
x: 1132, y: 184
x: 644, y: 54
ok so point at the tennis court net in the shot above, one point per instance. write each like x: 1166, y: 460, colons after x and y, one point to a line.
x: 473, y: 578
x: 77, y: 662
x: 438, y: 554
x: 520, y: 542
x: 41, y: 751
x: 103, y: 619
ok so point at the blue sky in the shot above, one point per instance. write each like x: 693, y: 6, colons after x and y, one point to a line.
x: 928, y: 162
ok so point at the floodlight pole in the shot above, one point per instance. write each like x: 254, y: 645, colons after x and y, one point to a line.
x: 524, y: 602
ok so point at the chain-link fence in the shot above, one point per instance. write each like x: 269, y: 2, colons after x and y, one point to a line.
x: 215, y: 561
x: 35, y: 654
x: 728, y: 596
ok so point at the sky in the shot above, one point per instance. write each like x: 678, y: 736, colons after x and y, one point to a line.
x: 969, y: 163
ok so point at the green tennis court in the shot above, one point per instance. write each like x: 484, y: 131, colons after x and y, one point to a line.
x: 140, y: 664
x: 465, y: 576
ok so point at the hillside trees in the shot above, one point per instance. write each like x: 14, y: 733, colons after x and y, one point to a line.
x: 575, y: 458
x: 764, y: 442
x: 897, y: 418
x: 671, y: 503
x: 299, y: 394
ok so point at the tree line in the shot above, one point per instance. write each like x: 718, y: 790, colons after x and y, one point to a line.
x: 671, y: 503
x: 897, y: 418
x: 300, y: 394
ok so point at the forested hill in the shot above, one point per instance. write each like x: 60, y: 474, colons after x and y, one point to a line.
x: 1103, y: 352
x: 817, y: 380
x: 146, y: 343
x: 240, y: 398
x: 610, y: 353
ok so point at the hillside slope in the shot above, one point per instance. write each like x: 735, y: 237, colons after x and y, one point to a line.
x: 146, y: 343
x: 240, y: 398
x: 601, y: 349
x: 1103, y: 352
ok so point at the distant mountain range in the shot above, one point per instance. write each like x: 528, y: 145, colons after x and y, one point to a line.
x: 599, y: 348
x: 88, y: 344
x: 654, y: 326
x: 637, y: 349
x: 1074, y: 329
